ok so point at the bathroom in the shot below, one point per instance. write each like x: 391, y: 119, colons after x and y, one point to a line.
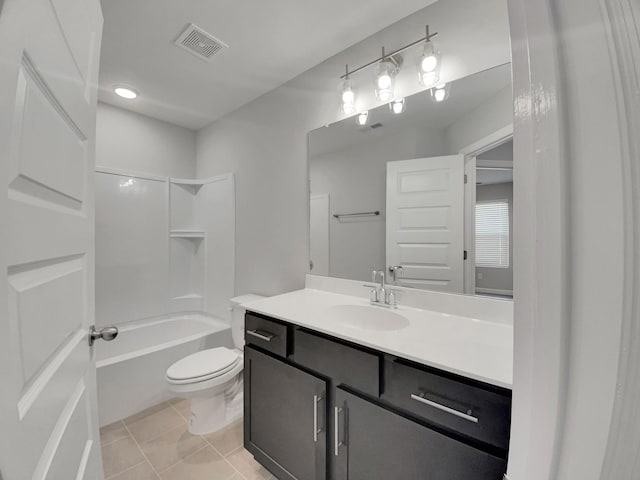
x: 321, y: 241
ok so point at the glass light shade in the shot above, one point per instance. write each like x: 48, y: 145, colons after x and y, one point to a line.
x: 429, y: 65
x: 363, y: 118
x: 440, y: 93
x: 384, y: 80
x: 430, y: 58
x: 398, y: 106
x: 348, y: 98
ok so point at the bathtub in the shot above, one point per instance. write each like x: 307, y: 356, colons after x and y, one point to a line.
x: 131, y: 369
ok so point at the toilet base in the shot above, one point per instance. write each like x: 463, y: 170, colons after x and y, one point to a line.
x: 210, y: 414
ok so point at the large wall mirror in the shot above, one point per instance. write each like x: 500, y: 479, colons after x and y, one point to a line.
x: 424, y: 190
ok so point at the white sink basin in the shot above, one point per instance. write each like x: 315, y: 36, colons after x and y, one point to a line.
x: 362, y: 317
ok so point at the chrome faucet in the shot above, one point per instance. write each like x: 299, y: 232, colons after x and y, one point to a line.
x: 379, y: 295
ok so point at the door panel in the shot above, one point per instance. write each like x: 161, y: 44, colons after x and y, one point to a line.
x: 377, y: 444
x: 279, y: 417
x: 48, y: 74
x: 425, y: 222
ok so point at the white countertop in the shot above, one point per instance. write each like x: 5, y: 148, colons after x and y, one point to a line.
x: 477, y: 349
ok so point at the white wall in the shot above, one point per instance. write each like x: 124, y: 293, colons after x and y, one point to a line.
x: 136, y: 142
x: 492, y: 115
x: 355, y: 179
x: 265, y: 142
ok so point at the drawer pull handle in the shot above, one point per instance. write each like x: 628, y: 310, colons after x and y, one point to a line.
x: 262, y: 335
x: 426, y: 401
x: 316, y: 400
x: 336, y: 434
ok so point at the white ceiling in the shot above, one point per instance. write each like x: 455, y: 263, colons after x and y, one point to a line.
x: 270, y: 42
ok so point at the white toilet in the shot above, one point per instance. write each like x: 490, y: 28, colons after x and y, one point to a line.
x: 212, y: 378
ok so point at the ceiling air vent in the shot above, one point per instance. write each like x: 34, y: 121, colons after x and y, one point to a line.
x: 200, y: 43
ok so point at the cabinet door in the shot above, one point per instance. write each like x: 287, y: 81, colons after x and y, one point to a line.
x: 374, y: 443
x: 285, y: 417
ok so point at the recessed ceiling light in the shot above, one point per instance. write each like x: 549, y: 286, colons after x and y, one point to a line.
x: 125, y: 92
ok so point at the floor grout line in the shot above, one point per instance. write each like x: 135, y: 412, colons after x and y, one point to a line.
x: 207, y: 444
x: 225, y: 459
x: 126, y: 469
x: 142, y: 452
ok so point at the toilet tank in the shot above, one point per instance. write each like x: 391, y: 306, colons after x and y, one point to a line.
x: 237, y: 317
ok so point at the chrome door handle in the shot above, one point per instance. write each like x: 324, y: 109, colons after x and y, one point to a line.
x: 316, y: 400
x: 467, y: 416
x: 336, y: 434
x: 107, y: 334
x: 262, y: 335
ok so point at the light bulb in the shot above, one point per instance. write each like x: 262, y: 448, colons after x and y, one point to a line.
x: 440, y: 92
x: 429, y: 63
x: 384, y: 81
x: 397, y: 106
x: 429, y: 79
x: 363, y: 118
x: 348, y: 96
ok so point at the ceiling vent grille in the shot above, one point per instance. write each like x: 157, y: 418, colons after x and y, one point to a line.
x: 199, y: 43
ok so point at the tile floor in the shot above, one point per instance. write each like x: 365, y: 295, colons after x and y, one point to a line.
x: 155, y: 445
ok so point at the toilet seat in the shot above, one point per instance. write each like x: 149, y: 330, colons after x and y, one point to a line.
x: 203, y: 365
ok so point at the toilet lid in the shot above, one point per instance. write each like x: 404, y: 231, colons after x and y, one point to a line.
x: 206, y: 363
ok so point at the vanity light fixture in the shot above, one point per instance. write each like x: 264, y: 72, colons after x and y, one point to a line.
x: 398, y: 106
x: 388, y: 67
x: 363, y: 118
x: 429, y: 62
x: 125, y: 92
x: 440, y: 93
x: 348, y: 98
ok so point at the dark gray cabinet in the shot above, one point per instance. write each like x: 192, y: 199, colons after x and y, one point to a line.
x: 374, y: 443
x: 320, y: 408
x: 285, y: 417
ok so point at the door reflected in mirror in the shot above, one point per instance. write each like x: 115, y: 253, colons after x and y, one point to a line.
x: 425, y: 194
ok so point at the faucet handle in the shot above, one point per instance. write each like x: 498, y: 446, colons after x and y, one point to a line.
x: 375, y: 274
x: 391, y: 299
x: 394, y: 270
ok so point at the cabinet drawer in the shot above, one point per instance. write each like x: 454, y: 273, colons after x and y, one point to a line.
x: 268, y: 334
x: 342, y: 363
x: 472, y: 411
x: 374, y: 443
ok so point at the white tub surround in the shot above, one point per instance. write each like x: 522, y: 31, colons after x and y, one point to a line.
x: 465, y: 335
x: 131, y: 370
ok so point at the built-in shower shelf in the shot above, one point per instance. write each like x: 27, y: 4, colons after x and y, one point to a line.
x: 187, y: 234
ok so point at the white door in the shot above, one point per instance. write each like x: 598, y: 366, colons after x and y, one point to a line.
x: 319, y: 233
x: 49, y: 51
x: 425, y: 222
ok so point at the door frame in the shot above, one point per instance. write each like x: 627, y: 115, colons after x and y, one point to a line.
x: 553, y: 44
x: 470, y: 153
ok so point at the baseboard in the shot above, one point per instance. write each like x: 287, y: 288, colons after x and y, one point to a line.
x: 494, y: 291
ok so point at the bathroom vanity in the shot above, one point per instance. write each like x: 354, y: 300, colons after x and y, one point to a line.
x: 337, y: 389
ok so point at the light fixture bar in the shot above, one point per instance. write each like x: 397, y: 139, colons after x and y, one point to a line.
x: 428, y: 37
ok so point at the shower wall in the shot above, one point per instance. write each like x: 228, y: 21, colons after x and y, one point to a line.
x: 164, y: 240
x: 132, y: 245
